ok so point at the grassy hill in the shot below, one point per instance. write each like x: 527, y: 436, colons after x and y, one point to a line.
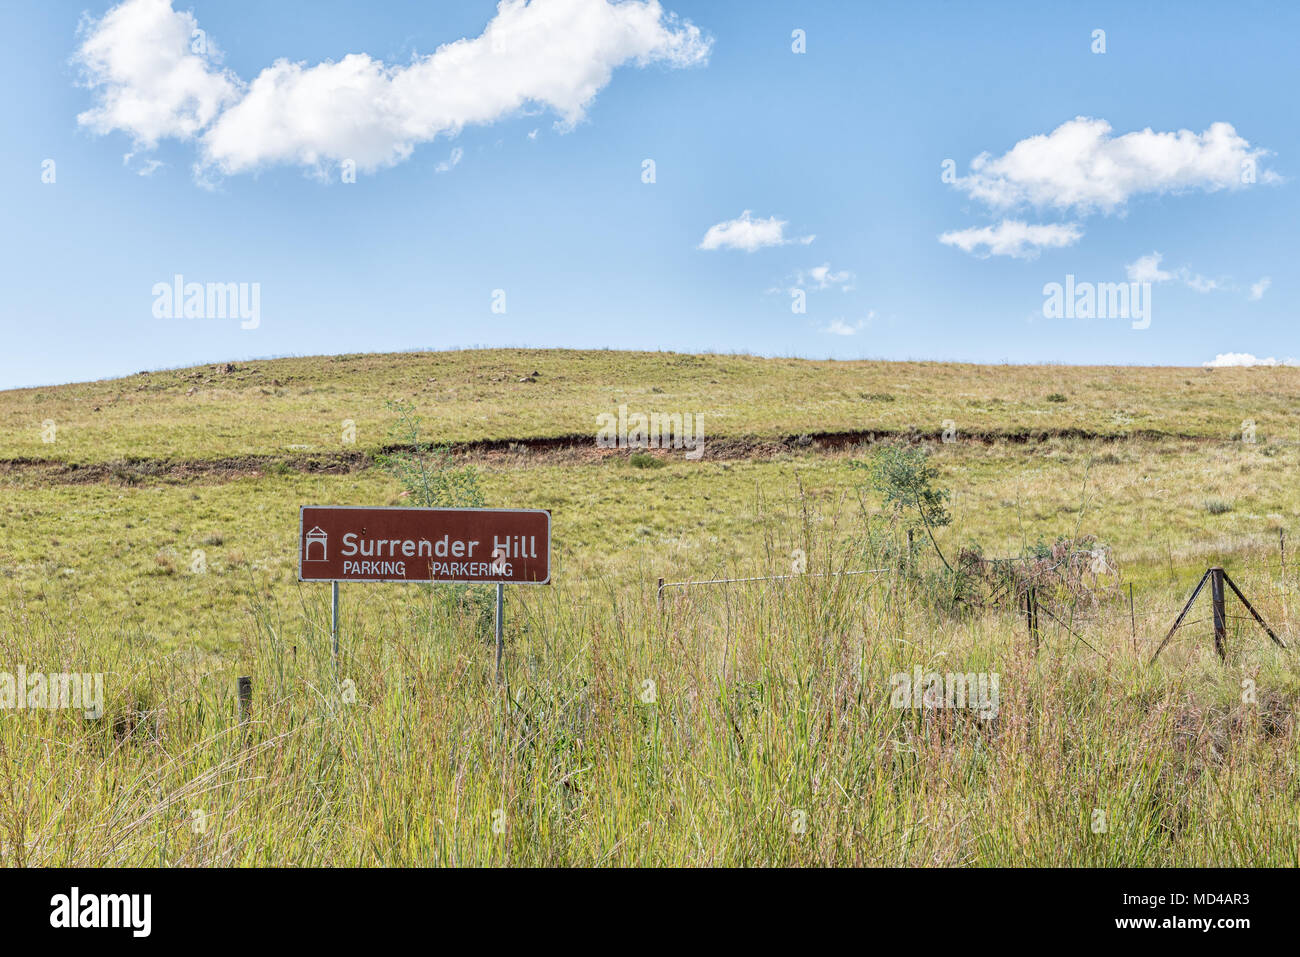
x: 147, y: 472
x: 154, y: 539
x: 293, y: 406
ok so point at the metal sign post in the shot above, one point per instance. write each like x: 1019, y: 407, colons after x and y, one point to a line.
x: 495, y: 546
x: 501, y: 609
x: 334, y: 617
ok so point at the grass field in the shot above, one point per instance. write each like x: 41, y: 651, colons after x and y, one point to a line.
x: 154, y: 538
x: 288, y: 407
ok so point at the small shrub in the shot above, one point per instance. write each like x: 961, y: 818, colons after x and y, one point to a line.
x: 906, y: 479
x: 1056, y: 397
x: 428, y: 472
x: 644, y: 460
x: 877, y: 396
x: 1217, y: 506
x: 431, y: 478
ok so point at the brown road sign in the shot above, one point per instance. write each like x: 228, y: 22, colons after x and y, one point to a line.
x: 340, y: 543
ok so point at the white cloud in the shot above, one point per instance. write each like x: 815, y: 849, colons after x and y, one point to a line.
x: 451, y: 161
x: 838, y: 327
x: 1227, y: 360
x: 1013, y: 238
x: 146, y: 168
x: 558, y: 55
x: 139, y: 61
x: 1080, y: 166
x: 1258, y: 289
x: 823, y: 277
x: 818, y: 278
x: 1147, y: 269
x: 745, y: 232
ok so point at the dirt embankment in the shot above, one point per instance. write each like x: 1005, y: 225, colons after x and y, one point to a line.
x: 555, y: 450
x: 140, y: 471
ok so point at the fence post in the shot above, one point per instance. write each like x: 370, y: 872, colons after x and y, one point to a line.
x: 1220, y: 617
x: 501, y: 603
x: 659, y: 595
x: 1033, y: 598
x: 1031, y: 615
x: 245, y: 697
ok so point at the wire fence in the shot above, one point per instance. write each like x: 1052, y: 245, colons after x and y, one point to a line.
x: 1027, y: 591
x: 659, y: 594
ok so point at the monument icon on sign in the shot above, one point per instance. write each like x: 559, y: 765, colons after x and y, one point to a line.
x: 315, y: 538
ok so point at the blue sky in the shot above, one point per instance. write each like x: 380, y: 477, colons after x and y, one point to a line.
x: 169, y: 161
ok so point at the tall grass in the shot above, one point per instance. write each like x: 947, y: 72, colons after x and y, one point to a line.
x: 735, y: 725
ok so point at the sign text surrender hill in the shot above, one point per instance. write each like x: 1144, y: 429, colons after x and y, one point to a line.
x: 340, y: 543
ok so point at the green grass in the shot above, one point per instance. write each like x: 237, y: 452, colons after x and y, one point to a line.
x: 299, y: 406
x: 129, y: 549
x: 644, y: 460
x: 769, y: 738
x: 771, y: 701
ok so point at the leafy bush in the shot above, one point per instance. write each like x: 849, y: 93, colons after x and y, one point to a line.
x: 432, y: 479
x: 904, y: 477
x: 427, y: 472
